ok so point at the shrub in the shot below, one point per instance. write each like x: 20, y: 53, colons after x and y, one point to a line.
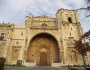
x: 88, y: 68
x: 2, y: 61
x: 73, y: 69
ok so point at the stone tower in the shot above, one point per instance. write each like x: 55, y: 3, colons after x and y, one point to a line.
x: 70, y: 29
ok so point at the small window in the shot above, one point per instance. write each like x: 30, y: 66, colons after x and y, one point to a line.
x: 71, y: 28
x: 17, y: 42
x: 70, y: 34
x: 22, y: 33
x: 70, y: 20
x: 44, y: 25
x: 2, y: 34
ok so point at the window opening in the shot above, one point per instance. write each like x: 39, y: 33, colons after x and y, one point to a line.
x: 70, y: 34
x: 2, y: 36
x: 70, y: 20
x: 71, y: 28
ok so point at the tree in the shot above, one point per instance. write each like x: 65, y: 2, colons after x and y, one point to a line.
x: 83, y: 45
x: 88, y: 1
x: 86, y: 36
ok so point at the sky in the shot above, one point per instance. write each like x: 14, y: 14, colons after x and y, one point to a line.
x: 15, y: 11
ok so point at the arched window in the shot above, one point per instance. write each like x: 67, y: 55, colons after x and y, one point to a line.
x: 69, y: 19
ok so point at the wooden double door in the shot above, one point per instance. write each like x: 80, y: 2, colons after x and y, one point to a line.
x: 43, y: 59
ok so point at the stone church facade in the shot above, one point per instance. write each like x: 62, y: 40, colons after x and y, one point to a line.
x: 43, y: 40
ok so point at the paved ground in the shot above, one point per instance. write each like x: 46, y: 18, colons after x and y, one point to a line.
x: 40, y: 68
x: 34, y: 68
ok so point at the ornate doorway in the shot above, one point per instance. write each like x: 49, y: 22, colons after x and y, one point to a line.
x: 43, y: 48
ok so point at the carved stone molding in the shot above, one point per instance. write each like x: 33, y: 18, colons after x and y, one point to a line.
x: 40, y: 42
x: 43, y: 22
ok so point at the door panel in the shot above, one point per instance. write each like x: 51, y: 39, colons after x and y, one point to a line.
x: 43, y: 59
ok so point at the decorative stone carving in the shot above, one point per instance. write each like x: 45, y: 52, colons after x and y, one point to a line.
x: 2, y: 48
x: 15, y: 52
x: 70, y: 43
x: 71, y: 55
x: 44, y: 22
x: 15, y: 55
x: 43, y: 41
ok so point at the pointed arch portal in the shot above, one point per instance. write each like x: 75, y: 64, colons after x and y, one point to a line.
x: 44, y: 48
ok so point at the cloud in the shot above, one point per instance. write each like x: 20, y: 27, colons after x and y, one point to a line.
x: 16, y: 11
x: 86, y: 23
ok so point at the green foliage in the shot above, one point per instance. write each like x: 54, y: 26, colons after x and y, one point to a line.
x: 88, y: 2
x: 2, y: 61
x: 73, y: 69
x: 88, y: 68
x: 81, y: 45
